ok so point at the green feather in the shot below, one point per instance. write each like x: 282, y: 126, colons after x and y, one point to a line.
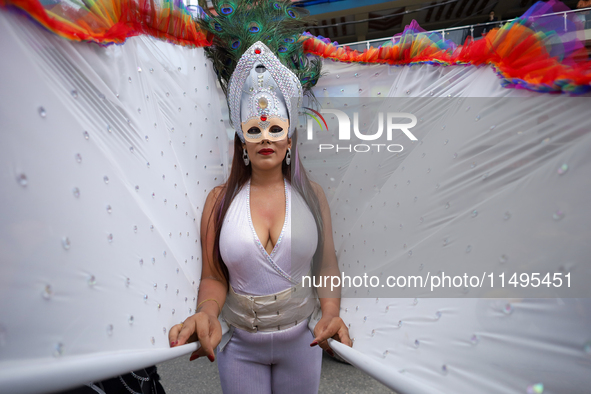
x: 239, y: 24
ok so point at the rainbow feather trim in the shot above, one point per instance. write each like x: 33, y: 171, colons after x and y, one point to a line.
x: 526, y: 53
x: 113, y: 21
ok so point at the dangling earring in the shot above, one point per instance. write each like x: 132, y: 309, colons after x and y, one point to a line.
x: 288, y: 156
x: 245, y: 157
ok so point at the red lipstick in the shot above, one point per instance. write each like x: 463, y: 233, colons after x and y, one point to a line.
x: 266, y: 151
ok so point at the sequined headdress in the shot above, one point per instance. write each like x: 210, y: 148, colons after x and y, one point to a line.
x: 259, y: 59
x: 261, y: 87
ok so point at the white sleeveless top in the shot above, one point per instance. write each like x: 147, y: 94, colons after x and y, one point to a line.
x: 252, y: 269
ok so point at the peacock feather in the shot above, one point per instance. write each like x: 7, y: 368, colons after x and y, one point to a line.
x: 240, y: 23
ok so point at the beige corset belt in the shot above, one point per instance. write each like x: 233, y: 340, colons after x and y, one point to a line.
x: 271, y: 312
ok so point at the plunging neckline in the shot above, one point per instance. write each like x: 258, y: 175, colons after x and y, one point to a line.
x: 256, y: 237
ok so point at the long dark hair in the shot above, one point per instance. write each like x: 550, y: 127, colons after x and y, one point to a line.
x: 240, y: 174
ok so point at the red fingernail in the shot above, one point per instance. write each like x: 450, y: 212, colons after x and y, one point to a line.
x: 210, y: 357
x: 175, y: 343
x: 314, y: 343
x: 193, y: 358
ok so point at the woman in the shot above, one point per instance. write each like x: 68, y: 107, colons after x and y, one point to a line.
x: 255, y: 255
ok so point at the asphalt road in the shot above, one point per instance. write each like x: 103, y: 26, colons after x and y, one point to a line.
x: 180, y: 376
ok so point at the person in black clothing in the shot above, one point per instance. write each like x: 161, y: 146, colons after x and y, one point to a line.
x: 490, y: 26
x: 145, y: 381
x: 481, y: 30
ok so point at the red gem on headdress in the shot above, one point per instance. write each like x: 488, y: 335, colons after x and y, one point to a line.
x: 257, y: 51
x: 263, y: 117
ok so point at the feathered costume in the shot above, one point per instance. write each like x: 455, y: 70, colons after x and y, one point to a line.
x: 418, y: 336
x: 261, y: 66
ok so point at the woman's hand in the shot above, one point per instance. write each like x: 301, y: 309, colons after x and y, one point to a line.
x: 202, y: 327
x: 331, y: 327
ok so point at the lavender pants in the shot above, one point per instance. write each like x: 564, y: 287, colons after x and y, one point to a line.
x: 278, y: 362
